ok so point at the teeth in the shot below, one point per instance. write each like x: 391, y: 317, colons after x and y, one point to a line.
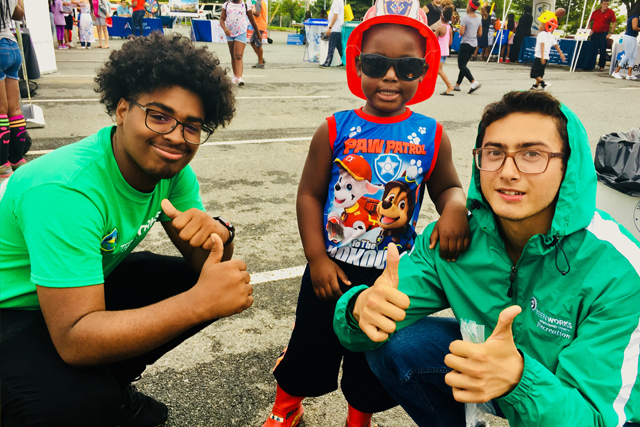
x: 388, y: 93
x: 511, y: 193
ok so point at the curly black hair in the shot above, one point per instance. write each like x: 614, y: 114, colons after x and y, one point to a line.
x: 158, y: 61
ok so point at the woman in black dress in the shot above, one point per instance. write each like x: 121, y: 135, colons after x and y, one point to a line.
x: 483, y: 40
x: 522, y: 30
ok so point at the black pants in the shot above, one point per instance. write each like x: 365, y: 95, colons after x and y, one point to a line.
x: 600, y: 39
x: 464, y: 54
x: 137, y: 20
x: 39, y: 389
x: 335, y: 42
x: 311, y: 362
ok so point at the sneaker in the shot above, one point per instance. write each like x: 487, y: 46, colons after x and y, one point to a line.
x: 507, y: 61
x: 457, y: 88
x: 70, y: 45
x: 258, y: 65
x: 63, y: 47
x: 138, y: 410
x: 325, y: 66
x: 535, y: 87
x: 632, y: 77
x: 546, y: 86
x: 340, y: 65
x: 291, y: 419
x: 6, y: 170
x: 616, y: 75
x: 240, y: 81
x: 475, y: 86
x: 600, y: 68
x: 234, y: 80
x: 20, y: 162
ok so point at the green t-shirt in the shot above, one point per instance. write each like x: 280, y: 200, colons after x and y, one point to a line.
x: 68, y: 218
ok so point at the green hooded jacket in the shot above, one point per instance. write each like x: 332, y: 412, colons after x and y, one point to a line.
x: 579, y: 332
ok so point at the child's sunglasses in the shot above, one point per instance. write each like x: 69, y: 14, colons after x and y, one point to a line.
x: 407, y: 69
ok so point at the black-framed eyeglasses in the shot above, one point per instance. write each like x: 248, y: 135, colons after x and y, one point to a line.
x: 527, y: 161
x: 163, y: 123
x: 408, y: 69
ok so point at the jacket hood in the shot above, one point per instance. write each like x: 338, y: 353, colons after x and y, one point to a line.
x: 577, y: 197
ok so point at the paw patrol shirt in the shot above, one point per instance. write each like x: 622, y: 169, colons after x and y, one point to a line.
x: 377, y: 183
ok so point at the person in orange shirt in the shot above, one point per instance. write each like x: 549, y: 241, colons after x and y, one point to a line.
x: 259, y: 11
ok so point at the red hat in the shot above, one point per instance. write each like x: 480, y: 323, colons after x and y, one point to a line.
x: 551, y: 25
x: 402, y: 12
x: 357, y: 167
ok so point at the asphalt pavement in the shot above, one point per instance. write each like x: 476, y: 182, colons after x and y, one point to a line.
x: 222, y: 376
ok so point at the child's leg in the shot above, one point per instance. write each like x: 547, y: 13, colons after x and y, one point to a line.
x: 20, y: 140
x: 60, y: 34
x: 444, y: 77
x: 238, y: 54
x: 233, y: 61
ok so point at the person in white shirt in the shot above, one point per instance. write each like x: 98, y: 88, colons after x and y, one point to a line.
x: 334, y: 32
x: 544, y: 41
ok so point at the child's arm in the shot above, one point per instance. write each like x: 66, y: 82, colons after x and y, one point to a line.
x: 223, y: 18
x: 447, y: 195
x: 542, y: 60
x: 560, y: 52
x: 312, y: 195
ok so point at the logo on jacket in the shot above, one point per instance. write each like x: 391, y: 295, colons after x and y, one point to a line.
x: 110, y: 241
x: 388, y: 167
x: 534, y: 303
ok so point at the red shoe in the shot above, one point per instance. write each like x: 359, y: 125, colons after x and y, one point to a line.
x: 290, y: 419
x: 507, y: 61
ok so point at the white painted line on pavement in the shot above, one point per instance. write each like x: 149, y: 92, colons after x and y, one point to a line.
x: 36, y: 101
x: 630, y: 88
x: 44, y: 101
x: 283, y: 97
x: 272, y: 276
x: 67, y: 75
x: 257, y: 141
x: 246, y: 141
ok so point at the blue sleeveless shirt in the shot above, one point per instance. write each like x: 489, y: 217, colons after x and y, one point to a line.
x: 377, y: 183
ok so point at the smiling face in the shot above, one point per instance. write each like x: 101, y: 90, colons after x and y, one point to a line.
x: 514, y: 196
x: 388, y: 95
x: 144, y: 156
x: 395, y: 207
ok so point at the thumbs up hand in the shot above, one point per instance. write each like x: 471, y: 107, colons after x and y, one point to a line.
x: 378, y: 308
x: 224, y: 288
x: 482, y: 372
x: 194, y: 226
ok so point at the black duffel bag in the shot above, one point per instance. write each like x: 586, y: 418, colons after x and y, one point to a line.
x: 617, y: 161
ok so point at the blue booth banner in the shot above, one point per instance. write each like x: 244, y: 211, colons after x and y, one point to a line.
x: 297, y: 39
x: 204, y: 30
x: 122, y: 26
x: 586, y: 60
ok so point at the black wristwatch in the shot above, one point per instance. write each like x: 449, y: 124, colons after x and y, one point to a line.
x: 228, y: 226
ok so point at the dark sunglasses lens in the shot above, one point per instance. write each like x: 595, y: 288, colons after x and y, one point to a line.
x: 410, y: 68
x: 374, y: 65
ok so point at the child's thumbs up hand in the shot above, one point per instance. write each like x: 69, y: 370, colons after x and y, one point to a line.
x: 378, y: 308
x: 482, y: 372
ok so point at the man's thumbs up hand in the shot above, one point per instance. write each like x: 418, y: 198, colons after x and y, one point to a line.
x: 505, y: 321
x: 482, y: 372
x: 378, y: 308
x: 390, y: 272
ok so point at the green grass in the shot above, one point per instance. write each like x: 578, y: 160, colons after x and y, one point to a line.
x: 287, y: 29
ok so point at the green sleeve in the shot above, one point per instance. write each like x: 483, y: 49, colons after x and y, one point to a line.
x: 417, y: 278
x: 184, y: 193
x: 595, y: 381
x: 61, y: 228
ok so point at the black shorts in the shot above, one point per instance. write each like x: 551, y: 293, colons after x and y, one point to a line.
x: 537, y: 69
x: 256, y: 39
x: 68, y: 22
x: 310, y: 364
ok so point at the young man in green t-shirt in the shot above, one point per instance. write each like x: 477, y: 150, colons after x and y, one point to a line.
x: 81, y: 317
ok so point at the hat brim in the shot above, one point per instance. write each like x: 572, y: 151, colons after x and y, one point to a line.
x: 432, y: 55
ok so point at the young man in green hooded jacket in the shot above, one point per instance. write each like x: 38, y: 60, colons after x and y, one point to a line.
x: 553, y: 281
